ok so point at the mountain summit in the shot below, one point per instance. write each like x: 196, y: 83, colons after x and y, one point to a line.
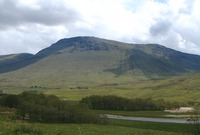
x: 92, y: 59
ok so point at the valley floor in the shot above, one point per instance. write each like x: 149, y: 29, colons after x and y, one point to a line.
x: 12, y: 128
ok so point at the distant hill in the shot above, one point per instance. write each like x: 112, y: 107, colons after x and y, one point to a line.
x: 95, y: 61
x: 14, y: 61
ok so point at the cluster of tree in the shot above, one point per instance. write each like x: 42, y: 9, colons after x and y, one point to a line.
x: 120, y: 103
x: 43, y: 108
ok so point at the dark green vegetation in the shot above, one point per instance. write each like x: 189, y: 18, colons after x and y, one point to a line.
x: 41, y: 108
x: 125, y: 104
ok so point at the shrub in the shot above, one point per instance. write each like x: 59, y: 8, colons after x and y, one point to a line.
x: 49, y: 108
x: 27, y: 129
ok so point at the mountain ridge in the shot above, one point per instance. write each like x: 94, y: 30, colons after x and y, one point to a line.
x: 78, y: 42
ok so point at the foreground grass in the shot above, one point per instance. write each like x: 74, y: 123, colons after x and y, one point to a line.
x: 155, y: 126
x: 10, y: 128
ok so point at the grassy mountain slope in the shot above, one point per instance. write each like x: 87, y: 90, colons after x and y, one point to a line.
x: 76, y: 63
x: 155, y: 60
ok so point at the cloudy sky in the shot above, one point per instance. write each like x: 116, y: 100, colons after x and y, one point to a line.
x: 31, y: 25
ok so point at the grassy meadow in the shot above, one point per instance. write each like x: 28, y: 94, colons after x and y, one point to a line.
x: 181, y: 89
x: 113, y: 127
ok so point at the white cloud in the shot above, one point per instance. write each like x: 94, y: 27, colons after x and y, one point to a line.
x: 31, y: 25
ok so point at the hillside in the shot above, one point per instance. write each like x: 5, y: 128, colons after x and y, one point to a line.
x: 152, y: 59
x: 14, y: 61
x: 95, y: 61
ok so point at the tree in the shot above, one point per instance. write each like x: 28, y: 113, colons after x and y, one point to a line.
x: 120, y: 103
x: 11, y: 101
x: 195, y: 120
x: 49, y: 108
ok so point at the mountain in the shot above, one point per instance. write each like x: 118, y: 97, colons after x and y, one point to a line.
x: 83, y: 61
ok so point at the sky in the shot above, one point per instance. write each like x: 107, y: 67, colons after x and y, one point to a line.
x: 31, y: 25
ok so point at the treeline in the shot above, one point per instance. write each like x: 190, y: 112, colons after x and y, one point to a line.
x: 43, y: 108
x: 124, y: 104
x: 49, y: 108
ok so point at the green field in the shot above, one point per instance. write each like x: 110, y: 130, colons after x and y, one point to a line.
x: 114, y: 127
x: 180, y: 88
x: 10, y: 126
